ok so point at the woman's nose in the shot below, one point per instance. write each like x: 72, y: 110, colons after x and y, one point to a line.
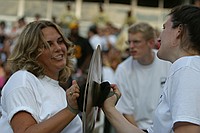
x: 57, y: 46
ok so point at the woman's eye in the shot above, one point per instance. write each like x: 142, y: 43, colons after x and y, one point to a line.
x: 50, y: 43
x: 60, y: 41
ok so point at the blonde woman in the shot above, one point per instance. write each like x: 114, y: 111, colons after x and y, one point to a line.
x: 32, y: 99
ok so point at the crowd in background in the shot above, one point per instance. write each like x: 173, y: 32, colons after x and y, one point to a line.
x: 102, y: 32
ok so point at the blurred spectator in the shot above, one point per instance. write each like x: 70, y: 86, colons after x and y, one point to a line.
x: 101, y: 17
x: 68, y: 18
x: 83, y: 54
x: 2, y: 75
x: 197, y: 3
x: 54, y: 19
x: 3, y: 57
x: 111, y: 59
x: 129, y: 19
x: 94, y: 38
x: 108, y: 39
x: 37, y: 16
x: 4, y: 54
x: 2, y: 33
x: 21, y: 23
x: 121, y: 42
x: 123, y: 35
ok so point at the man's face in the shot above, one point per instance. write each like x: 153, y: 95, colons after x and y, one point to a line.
x: 138, y: 46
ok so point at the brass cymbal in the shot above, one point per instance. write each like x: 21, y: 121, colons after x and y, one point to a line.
x: 91, y: 93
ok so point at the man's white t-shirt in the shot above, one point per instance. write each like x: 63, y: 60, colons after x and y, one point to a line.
x: 141, y: 86
x: 108, y: 74
x: 179, y: 101
x: 41, y: 97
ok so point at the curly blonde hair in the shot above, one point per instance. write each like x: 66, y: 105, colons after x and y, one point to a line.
x: 28, y: 49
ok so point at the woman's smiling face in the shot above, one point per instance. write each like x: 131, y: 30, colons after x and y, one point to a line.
x: 53, y: 59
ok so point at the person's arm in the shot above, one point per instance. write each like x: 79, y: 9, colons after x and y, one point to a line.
x: 185, y: 127
x: 130, y: 118
x: 23, y: 122
x: 118, y: 121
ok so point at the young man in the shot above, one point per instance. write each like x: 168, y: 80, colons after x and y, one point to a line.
x: 141, y: 77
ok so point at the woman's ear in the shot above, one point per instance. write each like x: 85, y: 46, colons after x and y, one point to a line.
x: 177, y: 35
x: 179, y: 30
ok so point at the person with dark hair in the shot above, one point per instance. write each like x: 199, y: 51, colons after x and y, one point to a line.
x: 32, y: 99
x: 21, y: 23
x: 178, y: 110
x: 93, y: 37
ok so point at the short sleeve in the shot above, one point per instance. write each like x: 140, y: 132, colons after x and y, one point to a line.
x: 185, y: 96
x: 18, y: 95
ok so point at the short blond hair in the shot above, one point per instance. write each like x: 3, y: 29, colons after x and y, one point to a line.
x: 147, y: 30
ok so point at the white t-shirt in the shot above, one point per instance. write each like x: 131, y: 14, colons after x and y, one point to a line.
x: 141, y: 86
x: 95, y: 40
x: 179, y: 101
x: 108, y: 74
x: 41, y: 97
x: 108, y: 39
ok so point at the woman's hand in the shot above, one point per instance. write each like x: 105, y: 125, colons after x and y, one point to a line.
x: 72, y: 96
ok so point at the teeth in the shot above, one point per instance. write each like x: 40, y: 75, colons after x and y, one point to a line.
x: 59, y: 57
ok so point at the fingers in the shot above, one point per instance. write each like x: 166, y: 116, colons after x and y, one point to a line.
x: 113, y: 97
x: 72, y: 96
x: 74, y: 90
x: 118, y: 97
x: 116, y: 90
x: 114, y: 93
x: 111, y: 101
x: 74, y: 82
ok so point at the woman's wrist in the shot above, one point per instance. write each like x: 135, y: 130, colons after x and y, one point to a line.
x: 71, y: 109
x: 108, y: 110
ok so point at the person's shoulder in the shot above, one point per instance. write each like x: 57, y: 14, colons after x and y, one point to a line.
x: 194, y: 60
x: 22, y: 75
x: 188, y: 61
x: 23, y: 72
x: 19, y: 79
x: 127, y: 62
